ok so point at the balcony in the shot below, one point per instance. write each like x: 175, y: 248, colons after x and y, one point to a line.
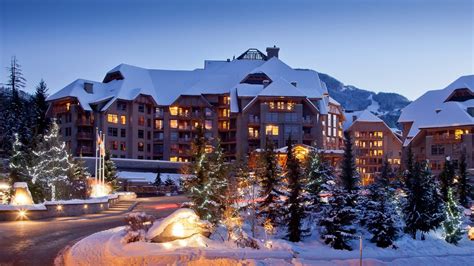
x: 84, y: 135
x: 85, y: 122
x: 60, y: 109
x: 446, y: 139
x: 254, y: 121
x: 84, y: 150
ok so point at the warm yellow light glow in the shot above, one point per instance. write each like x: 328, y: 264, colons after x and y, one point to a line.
x: 59, y: 207
x: 112, y: 118
x: 86, y: 206
x: 178, y: 230
x: 21, y: 199
x: 22, y: 214
x: 99, y: 190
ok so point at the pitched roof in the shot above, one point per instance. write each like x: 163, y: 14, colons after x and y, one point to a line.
x: 217, y: 77
x: 432, y: 109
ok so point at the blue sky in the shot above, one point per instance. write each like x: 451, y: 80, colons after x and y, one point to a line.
x: 402, y: 46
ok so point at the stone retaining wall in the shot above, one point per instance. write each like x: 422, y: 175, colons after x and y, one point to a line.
x: 53, y: 210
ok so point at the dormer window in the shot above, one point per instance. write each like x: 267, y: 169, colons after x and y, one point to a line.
x: 460, y: 95
x: 257, y: 78
x: 88, y: 87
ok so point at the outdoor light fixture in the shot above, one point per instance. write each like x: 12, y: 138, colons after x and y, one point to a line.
x: 59, y: 207
x: 85, y: 206
x: 22, y: 214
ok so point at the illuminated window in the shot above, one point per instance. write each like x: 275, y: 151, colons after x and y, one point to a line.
x: 123, y: 119
x: 208, y: 124
x: 253, y: 132
x: 458, y: 134
x: 122, y: 146
x: 290, y: 106
x: 174, y: 110
x: 159, y: 124
x: 141, y: 121
x: 271, y: 130
x: 114, y: 145
x: 68, y: 106
x: 379, y: 134
x: 174, y: 159
x: 141, y: 145
x: 112, y: 118
x: 271, y: 105
x: 173, y: 123
x: 280, y: 105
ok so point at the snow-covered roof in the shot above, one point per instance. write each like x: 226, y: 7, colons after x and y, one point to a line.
x: 360, y: 116
x: 433, y: 110
x: 217, y: 77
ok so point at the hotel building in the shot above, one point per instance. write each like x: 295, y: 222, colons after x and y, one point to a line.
x: 153, y: 114
x: 441, y: 123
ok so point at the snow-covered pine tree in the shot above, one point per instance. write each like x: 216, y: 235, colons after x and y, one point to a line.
x: 110, y: 171
x: 409, y: 173
x: 433, y: 200
x: 217, y: 171
x: 452, y: 225
x: 464, y: 187
x: 337, y: 220
x: 51, y: 163
x: 379, y: 213
x: 196, y: 183
x: 18, y: 162
x: 247, y: 184
x: 296, y: 197
x: 446, y: 177
x: 317, y: 174
x: 424, y: 209
x: 269, y: 174
x: 40, y: 106
x: 78, y: 186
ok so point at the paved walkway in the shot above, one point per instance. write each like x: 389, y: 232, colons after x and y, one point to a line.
x: 38, y: 242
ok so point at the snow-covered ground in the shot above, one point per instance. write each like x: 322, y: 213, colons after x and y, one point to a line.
x: 105, y: 248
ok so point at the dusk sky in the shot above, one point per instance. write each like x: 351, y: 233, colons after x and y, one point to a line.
x: 405, y: 46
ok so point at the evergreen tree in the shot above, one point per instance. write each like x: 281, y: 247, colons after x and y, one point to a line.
x: 349, y: 176
x: 463, y: 185
x: 40, y: 106
x: 409, y: 169
x: 77, y: 182
x: 51, y: 164
x: 217, y: 171
x: 248, y: 185
x: 317, y: 173
x: 269, y: 173
x: 169, y: 182
x: 337, y: 220
x: 196, y: 182
x: 446, y: 177
x: 380, y: 215
x: 18, y: 162
x: 423, y: 210
x: 296, y: 198
x: 453, y: 223
x: 158, y: 180
x: 16, y: 117
x: 110, y: 170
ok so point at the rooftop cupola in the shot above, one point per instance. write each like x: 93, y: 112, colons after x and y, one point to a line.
x: 272, y: 52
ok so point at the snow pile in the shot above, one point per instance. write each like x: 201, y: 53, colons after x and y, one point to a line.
x: 105, y: 248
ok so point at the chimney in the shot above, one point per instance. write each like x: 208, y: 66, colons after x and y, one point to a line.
x: 265, y: 83
x: 272, y: 52
x: 88, y: 87
x: 294, y: 83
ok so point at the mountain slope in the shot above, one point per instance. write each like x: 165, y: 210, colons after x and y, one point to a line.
x: 385, y: 105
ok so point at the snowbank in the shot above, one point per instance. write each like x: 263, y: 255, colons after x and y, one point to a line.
x: 104, y: 199
x: 105, y: 248
x: 159, y: 226
x: 33, y: 207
